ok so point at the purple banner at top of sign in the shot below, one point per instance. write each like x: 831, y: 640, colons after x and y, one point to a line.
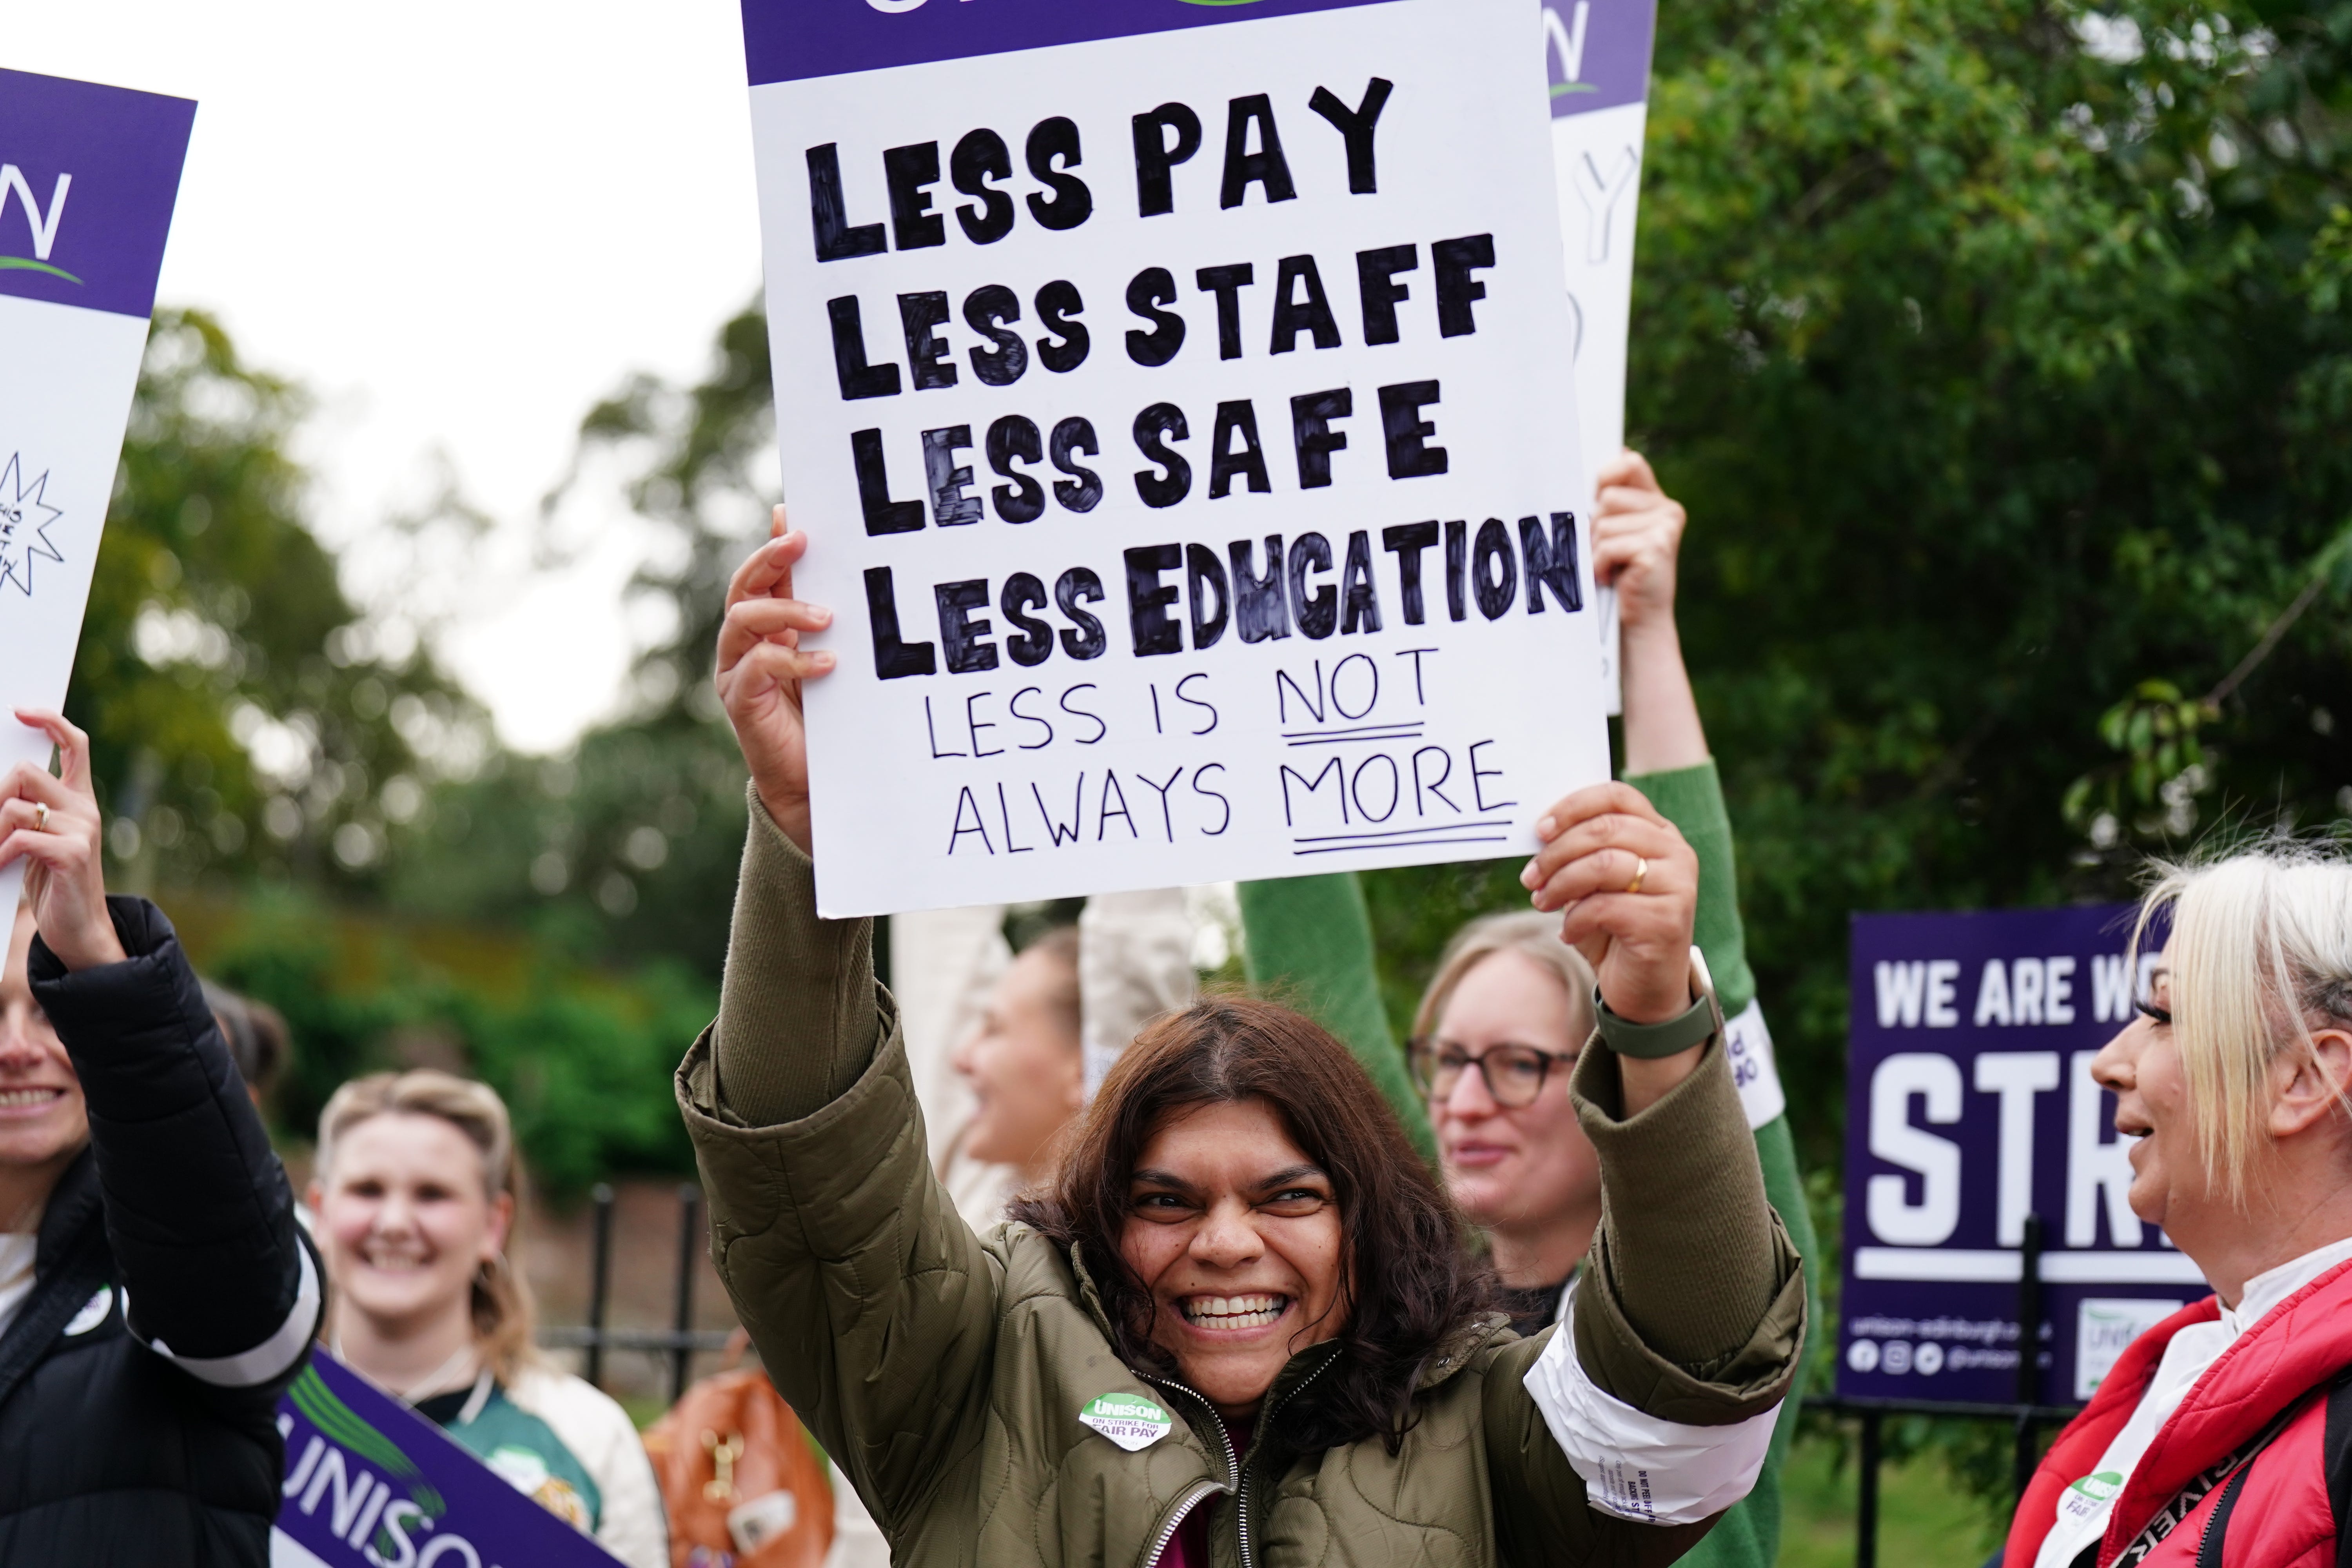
x: 88, y: 178
x: 1597, y: 52
x: 792, y: 40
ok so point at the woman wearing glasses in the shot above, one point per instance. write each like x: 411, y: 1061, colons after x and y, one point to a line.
x: 1500, y: 1027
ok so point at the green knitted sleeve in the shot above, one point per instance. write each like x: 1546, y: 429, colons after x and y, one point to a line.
x: 1749, y: 1536
x: 1308, y: 940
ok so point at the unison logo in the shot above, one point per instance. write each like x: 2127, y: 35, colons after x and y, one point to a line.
x: 14, y: 188
x: 1564, y: 42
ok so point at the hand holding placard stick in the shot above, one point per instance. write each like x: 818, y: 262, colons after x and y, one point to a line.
x: 1191, y: 390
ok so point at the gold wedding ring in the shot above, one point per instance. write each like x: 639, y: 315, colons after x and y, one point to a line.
x: 40, y: 817
x: 1641, y: 874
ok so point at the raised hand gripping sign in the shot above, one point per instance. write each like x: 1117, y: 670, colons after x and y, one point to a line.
x: 88, y: 178
x: 1170, y: 392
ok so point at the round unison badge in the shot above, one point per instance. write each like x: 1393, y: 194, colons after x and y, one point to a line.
x: 93, y: 1312
x: 1129, y: 1420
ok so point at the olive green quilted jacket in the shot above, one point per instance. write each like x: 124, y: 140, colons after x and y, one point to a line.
x: 946, y: 1371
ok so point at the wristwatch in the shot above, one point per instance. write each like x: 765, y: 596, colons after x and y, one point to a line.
x: 1650, y: 1041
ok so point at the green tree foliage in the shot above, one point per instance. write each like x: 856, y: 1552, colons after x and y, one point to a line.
x: 328, y: 814
x: 236, y: 729
x: 1999, y: 352
x: 625, y: 849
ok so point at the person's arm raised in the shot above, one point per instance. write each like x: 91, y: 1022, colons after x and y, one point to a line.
x: 1637, y: 532
x: 1687, y: 1235
x: 197, y: 1207
x: 797, y: 1018
x: 1689, y: 1313
x: 870, y: 1300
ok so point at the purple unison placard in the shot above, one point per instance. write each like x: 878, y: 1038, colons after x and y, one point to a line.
x: 369, y: 1483
x: 1597, y: 52
x: 88, y: 178
x: 1970, y: 1106
x: 792, y: 40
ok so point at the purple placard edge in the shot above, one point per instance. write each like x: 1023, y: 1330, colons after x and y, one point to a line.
x: 412, y: 1459
x: 782, y: 41
x: 124, y: 150
x: 1612, y: 61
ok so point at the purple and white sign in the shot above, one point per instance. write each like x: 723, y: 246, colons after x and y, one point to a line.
x: 371, y: 1484
x: 88, y: 178
x: 1170, y: 392
x: 1597, y: 55
x: 1970, y: 1107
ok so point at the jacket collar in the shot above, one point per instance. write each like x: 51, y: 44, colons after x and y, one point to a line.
x: 2292, y: 1349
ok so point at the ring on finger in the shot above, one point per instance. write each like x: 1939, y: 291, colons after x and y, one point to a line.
x: 40, y: 817
x: 1641, y: 874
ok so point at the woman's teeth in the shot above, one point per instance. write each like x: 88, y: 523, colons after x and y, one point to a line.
x: 392, y: 1262
x: 15, y: 1099
x: 1234, y: 1311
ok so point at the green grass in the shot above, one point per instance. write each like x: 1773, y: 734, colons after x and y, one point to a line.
x: 1924, y: 1519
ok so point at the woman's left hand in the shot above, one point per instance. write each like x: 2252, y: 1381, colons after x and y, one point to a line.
x: 51, y: 823
x: 1625, y: 883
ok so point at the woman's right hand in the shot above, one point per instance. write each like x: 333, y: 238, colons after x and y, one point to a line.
x: 760, y: 667
x: 52, y: 824
x: 1637, y: 532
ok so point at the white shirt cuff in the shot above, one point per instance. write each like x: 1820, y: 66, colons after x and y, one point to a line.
x: 1636, y: 1465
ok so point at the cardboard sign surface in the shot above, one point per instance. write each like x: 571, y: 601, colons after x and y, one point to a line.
x: 1171, y: 395
x: 88, y: 178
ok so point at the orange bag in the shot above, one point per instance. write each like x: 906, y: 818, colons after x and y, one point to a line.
x: 743, y: 1484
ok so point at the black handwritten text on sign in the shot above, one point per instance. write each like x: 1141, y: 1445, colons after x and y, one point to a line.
x: 1181, y: 421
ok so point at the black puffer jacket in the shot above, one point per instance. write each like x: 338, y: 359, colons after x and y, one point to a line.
x: 153, y: 1440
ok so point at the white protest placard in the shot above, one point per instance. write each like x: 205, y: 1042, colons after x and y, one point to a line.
x: 1170, y: 392
x: 88, y: 178
x: 1597, y: 54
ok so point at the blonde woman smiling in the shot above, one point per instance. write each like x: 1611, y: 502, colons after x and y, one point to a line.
x: 415, y: 1193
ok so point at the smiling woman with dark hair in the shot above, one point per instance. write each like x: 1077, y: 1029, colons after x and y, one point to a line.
x: 1350, y: 1242
x: 1242, y: 1233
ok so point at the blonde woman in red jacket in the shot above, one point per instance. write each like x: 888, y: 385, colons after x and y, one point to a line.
x: 2224, y: 1435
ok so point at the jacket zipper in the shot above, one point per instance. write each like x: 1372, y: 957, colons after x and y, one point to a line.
x: 1200, y: 1490
x: 1184, y: 1506
x: 1240, y: 1482
x: 1240, y: 1492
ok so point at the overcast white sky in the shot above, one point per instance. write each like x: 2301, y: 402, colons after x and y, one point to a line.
x: 459, y: 222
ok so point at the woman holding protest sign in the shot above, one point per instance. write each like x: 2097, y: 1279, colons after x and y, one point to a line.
x: 1241, y: 1231
x: 1500, y: 1024
x: 2223, y: 1435
x: 414, y: 1192
x: 132, y: 1170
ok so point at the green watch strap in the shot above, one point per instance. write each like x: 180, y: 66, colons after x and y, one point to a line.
x: 1650, y: 1041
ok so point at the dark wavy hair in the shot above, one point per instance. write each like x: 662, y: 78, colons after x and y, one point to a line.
x: 1407, y: 1283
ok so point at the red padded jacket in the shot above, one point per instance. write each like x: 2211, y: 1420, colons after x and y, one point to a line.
x: 2275, y: 1511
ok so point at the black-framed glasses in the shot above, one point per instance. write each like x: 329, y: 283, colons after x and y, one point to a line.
x: 1515, y: 1074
